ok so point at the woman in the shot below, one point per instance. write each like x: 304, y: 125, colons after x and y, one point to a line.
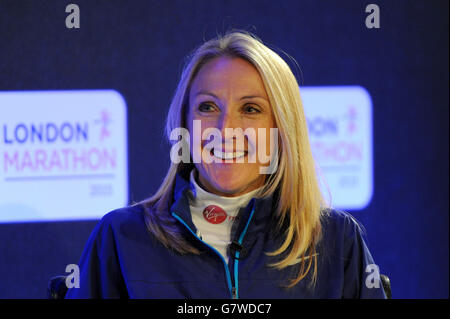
x: 226, y: 223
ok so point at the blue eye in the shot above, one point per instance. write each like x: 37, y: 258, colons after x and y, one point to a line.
x: 251, y: 109
x: 206, y: 107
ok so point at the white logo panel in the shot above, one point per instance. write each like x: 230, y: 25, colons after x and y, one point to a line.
x: 340, y: 129
x: 63, y: 154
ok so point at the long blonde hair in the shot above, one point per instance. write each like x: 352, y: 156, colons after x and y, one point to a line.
x: 300, y: 204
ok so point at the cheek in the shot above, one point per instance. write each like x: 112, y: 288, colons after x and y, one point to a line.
x: 265, y: 137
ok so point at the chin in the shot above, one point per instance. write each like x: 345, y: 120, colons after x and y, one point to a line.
x: 232, y: 182
x: 230, y: 189
x: 225, y: 183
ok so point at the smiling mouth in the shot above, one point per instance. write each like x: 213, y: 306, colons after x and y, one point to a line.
x: 227, y: 155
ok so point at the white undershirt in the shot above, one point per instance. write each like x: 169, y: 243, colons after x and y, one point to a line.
x: 216, y: 234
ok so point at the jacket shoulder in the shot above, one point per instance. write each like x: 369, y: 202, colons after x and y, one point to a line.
x: 340, y: 230
x: 120, y: 224
x: 345, y: 245
x: 122, y: 215
x: 333, y: 219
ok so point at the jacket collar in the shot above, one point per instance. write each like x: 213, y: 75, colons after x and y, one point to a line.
x: 263, y: 208
x: 180, y: 199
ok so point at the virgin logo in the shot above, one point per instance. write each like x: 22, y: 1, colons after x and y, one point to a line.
x: 214, y: 214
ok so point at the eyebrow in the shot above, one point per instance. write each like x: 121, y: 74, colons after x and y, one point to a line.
x: 242, y: 98
x: 253, y: 96
x: 206, y: 93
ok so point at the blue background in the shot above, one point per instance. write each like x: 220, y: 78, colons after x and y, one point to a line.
x: 137, y: 48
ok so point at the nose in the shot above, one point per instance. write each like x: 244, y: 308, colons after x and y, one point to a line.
x: 233, y: 139
x: 227, y: 120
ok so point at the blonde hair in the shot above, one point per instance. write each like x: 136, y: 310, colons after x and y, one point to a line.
x: 300, y: 205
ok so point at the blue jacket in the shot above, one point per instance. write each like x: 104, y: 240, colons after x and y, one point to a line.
x: 122, y: 260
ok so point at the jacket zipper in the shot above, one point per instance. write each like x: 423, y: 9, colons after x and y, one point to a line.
x: 236, y: 256
x: 234, y: 289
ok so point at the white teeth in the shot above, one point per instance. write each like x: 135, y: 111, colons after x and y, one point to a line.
x: 228, y: 155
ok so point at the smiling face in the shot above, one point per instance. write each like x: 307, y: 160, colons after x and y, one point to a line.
x: 229, y: 93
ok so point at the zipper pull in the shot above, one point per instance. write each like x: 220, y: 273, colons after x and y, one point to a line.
x: 234, y: 293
